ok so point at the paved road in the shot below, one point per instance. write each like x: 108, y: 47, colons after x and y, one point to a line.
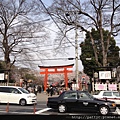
x: 40, y: 108
x: 28, y: 109
x: 43, y: 96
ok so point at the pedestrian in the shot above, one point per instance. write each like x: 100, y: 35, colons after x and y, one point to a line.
x: 51, y: 91
x: 39, y: 88
x: 48, y: 91
x: 35, y: 90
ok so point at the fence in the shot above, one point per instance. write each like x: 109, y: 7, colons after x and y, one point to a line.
x: 5, y: 84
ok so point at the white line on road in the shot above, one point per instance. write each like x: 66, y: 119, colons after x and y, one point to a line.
x: 118, y: 110
x: 17, y: 112
x: 43, y: 110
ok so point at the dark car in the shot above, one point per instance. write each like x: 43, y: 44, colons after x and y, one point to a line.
x: 80, y: 101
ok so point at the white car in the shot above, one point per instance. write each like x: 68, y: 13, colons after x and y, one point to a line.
x: 109, y: 95
x: 16, y: 95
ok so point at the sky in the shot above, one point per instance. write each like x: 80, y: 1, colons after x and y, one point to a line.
x: 47, y: 2
x: 52, y: 28
x: 71, y: 50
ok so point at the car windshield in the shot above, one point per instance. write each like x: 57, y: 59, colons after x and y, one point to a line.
x: 116, y: 94
x: 23, y: 90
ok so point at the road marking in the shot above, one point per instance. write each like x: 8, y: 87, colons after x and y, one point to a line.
x: 43, y: 110
x: 22, y: 112
x: 17, y: 112
x: 46, y: 109
x: 118, y: 111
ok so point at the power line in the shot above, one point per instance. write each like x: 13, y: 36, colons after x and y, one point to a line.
x: 31, y: 51
x: 55, y: 21
x: 48, y: 45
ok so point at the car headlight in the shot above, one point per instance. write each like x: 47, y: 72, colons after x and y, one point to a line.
x: 29, y: 96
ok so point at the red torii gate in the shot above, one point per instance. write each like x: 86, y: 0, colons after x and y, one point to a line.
x: 53, y: 70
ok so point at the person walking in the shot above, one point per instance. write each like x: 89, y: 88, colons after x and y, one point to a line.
x: 39, y: 88
x: 48, y: 91
x: 51, y: 91
x: 36, y: 90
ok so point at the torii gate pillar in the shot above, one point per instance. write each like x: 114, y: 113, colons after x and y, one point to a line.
x: 54, y: 70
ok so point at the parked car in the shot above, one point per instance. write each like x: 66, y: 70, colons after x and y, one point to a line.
x: 16, y: 95
x: 109, y: 95
x: 81, y: 101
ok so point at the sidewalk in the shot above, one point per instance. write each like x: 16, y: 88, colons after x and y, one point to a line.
x: 43, y: 96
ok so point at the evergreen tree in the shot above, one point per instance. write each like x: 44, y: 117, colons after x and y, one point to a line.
x: 87, y: 53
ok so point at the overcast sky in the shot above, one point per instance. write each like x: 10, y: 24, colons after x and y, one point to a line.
x: 71, y: 50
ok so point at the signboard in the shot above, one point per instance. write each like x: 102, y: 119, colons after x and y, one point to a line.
x: 1, y: 76
x: 100, y: 86
x: 104, y: 74
x: 112, y: 86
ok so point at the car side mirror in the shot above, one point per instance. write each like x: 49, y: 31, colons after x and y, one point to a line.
x: 81, y: 95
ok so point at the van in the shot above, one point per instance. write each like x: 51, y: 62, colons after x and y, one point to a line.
x: 16, y: 95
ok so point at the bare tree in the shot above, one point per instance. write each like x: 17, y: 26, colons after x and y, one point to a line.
x: 21, y: 30
x: 98, y: 14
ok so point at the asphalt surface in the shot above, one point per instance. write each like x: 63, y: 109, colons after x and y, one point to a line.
x: 43, y: 96
x: 41, y: 108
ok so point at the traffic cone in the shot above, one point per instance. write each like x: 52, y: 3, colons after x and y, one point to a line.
x: 34, y: 108
x: 7, y: 108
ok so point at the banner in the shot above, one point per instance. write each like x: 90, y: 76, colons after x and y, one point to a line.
x: 100, y: 86
x: 112, y: 86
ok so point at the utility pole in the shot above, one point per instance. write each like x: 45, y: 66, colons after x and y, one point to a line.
x: 76, y: 51
x: 76, y: 45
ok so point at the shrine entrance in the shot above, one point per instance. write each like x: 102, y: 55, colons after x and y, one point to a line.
x: 54, y: 70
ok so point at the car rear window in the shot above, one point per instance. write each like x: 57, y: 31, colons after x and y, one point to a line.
x: 4, y: 89
x: 116, y: 94
x: 107, y: 94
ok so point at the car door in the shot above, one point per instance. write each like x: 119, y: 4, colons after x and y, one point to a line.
x: 108, y: 95
x: 86, y: 103
x: 70, y: 99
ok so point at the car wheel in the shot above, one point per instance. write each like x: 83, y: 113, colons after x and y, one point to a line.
x: 104, y: 110
x: 22, y: 102
x: 62, y: 108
